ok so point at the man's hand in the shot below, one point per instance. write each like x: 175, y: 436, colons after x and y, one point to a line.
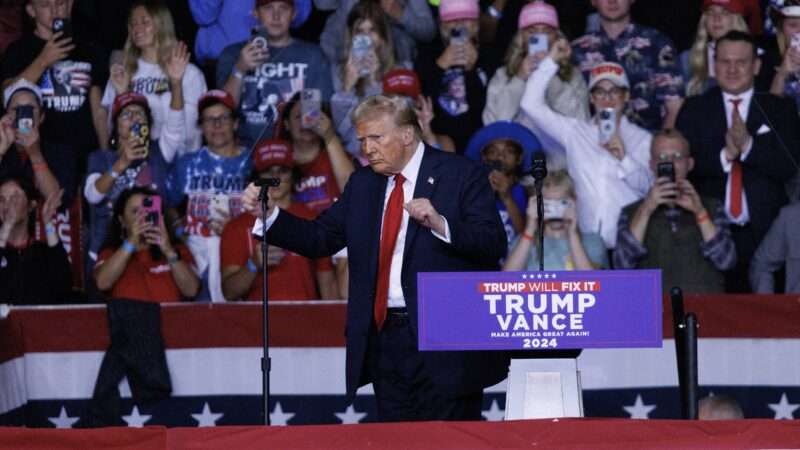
x: 736, y: 138
x: 663, y: 192
x: 251, y: 57
x: 251, y: 203
x: 421, y: 210
x: 688, y: 198
x: 56, y: 49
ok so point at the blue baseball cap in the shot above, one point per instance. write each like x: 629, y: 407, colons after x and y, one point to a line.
x: 504, y: 129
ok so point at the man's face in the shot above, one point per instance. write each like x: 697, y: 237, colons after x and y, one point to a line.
x: 218, y: 126
x: 735, y: 66
x: 666, y: 149
x: 276, y: 17
x: 44, y: 11
x: 386, y: 146
x: 606, y: 94
x: 504, y: 152
x: 25, y: 98
x: 613, y: 10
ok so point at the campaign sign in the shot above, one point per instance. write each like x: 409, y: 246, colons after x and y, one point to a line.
x: 539, y: 310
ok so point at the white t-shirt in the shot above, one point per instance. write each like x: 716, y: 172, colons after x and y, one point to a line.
x: 151, y: 81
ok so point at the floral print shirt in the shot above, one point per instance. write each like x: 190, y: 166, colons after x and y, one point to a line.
x: 650, y: 62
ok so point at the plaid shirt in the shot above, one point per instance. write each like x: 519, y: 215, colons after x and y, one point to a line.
x: 650, y: 62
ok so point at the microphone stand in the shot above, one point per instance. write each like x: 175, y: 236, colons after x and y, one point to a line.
x: 539, y: 172
x: 266, y: 362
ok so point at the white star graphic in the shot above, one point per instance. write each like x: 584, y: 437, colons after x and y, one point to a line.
x: 539, y: 276
x: 639, y: 410
x: 783, y: 409
x: 350, y: 415
x: 136, y: 420
x: 207, y: 418
x: 279, y: 418
x: 494, y: 413
x: 63, y: 420
x: 524, y: 276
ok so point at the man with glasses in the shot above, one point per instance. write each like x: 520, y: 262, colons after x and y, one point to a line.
x: 211, y: 180
x: 674, y: 228
x: 607, y: 156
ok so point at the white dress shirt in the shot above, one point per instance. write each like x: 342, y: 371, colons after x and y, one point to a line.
x: 744, y: 108
x: 603, y: 183
x: 410, y: 172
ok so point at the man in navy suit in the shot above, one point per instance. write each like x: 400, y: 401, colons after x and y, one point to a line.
x: 745, y: 146
x: 414, y: 209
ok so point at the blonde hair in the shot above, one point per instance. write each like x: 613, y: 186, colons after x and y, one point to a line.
x: 399, y: 108
x: 518, y: 51
x: 164, y: 35
x: 698, y: 54
x: 374, y: 13
x: 560, y: 179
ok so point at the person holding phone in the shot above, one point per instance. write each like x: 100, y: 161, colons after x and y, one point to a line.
x: 68, y: 69
x: 135, y: 158
x: 673, y: 228
x: 607, y: 156
x: 368, y: 56
x: 22, y: 152
x: 139, y: 259
x: 454, y: 74
x: 782, y: 56
x: 259, y: 79
x: 565, y: 246
x: 155, y: 64
x: 566, y: 92
x: 33, y: 272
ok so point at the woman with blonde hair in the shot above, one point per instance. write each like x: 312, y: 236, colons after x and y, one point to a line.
x: 784, y: 51
x: 566, y: 93
x: 155, y: 64
x: 697, y: 63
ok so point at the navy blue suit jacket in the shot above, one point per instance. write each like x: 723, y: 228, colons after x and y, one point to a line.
x: 774, y: 126
x: 459, y: 190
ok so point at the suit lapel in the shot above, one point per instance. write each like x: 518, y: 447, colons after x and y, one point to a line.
x: 754, y: 117
x: 424, y: 187
x: 720, y: 113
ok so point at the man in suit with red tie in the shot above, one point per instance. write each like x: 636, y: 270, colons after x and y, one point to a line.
x: 745, y: 146
x: 413, y: 209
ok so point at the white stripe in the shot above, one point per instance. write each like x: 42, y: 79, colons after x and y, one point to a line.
x: 320, y: 371
x: 12, y: 385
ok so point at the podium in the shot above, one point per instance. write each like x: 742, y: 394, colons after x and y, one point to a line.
x: 541, y: 312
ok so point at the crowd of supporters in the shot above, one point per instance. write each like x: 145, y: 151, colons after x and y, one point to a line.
x: 129, y: 133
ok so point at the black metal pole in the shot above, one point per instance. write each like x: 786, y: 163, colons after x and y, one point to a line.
x: 678, y: 331
x: 540, y: 224
x: 690, y: 400
x: 265, y: 359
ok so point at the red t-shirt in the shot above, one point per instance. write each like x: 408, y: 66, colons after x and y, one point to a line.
x: 145, y: 279
x: 317, y: 188
x: 294, y: 278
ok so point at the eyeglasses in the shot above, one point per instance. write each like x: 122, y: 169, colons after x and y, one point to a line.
x: 218, y: 120
x: 674, y: 156
x: 614, y: 92
x: 133, y: 114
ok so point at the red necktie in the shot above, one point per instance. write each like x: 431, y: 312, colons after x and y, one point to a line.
x: 392, y: 217
x: 736, y: 173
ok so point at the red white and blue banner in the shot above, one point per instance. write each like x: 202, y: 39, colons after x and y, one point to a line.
x: 539, y: 310
x: 50, y: 357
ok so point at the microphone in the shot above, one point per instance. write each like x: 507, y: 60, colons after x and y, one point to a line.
x: 539, y: 167
x: 267, y: 182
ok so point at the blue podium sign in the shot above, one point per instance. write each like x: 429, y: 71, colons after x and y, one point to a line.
x: 539, y: 310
